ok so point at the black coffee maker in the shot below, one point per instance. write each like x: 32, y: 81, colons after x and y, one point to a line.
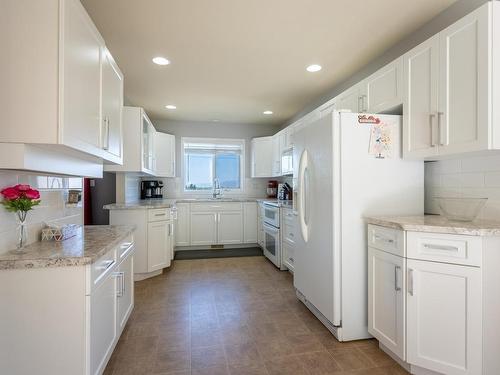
x: 151, y: 189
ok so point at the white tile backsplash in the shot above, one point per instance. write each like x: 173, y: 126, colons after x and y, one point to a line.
x: 477, y: 176
x: 52, y: 209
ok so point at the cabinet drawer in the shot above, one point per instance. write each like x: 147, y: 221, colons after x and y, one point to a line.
x: 445, y: 248
x: 102, y: 267
x: 125, y: 248
x: 211, y: 207
x: 386, y: 239
x: 158, y: 214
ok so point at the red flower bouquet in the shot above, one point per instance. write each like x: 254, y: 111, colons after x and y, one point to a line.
x: 20, y: 199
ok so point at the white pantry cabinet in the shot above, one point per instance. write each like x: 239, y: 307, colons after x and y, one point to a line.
x: 66, y: 320
x: 164, y: 149
x: 250, y: 222
x: 450, y: 87
x: 138, y: 143
x: 73, y: 97
x: 262, y: 157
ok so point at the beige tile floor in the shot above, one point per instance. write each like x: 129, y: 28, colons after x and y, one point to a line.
x: 233, y: 316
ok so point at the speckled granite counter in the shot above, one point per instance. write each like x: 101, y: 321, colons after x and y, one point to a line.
x: 167, y: 203
x: 85, y: 248
x: 145, y: 204
x: 438, y: 224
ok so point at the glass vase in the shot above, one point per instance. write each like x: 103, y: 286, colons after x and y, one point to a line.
x: 22, y: 231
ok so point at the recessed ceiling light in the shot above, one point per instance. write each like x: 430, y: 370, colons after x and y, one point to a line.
x: 215, y: 120
x: 161, y: 60
x: 170, y: 106
x: 314, y: 68
x: 267, y: 112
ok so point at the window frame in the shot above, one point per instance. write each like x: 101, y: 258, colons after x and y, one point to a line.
x: 238, y: 141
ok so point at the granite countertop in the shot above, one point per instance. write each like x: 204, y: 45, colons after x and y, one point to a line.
x: 280, y: 203
x: 86, y: 247
x: 168, y: 203
x: 438, y: 224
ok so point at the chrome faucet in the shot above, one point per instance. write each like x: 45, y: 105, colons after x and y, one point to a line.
x: 217, y: 193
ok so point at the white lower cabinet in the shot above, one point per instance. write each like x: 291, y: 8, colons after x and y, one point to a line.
x: 444, y: 317
x: 386, y: 300
x: 230, y: 227
x: 103, y: 323
x: 154, y: 238
x: 435, y: 314
x: 203, y: 228
x: 182, y: 233
x: 250, y: 222
x: 125, y: 292
x: 159, y: 244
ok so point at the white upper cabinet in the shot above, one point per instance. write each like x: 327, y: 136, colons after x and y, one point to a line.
x: 112, y: 108
x: 463, y: 116
x: 262, y: 157
x: 449, y: 89
x: 164, y: 149
x: 138, y: 143
x: 276, y: 155
x: 383, y: 90
x: 351, y: 100
x: 71, y: 85
x: 421, y: 67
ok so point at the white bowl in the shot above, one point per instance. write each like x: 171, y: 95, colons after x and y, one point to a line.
x: 461, y: 209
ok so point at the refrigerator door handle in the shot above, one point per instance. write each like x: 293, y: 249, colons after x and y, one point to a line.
x: 303, y: 195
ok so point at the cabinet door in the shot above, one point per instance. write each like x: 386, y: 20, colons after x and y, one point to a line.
x: 420, y: 100
x: 262, y: 157
x: 288, y: 253
x: 230, y: 227
x: 383, y: 90
x: 148, y: 135
x: 250, y: 222
x: 386, y: 300
x: 276, y: 155
x: 182, y: 232
x: 103, y: 324
x: 125, y: 289
x: 81, y: 81
x: 350, y: 100
x: 158, y: 246
x: 112, y: 108
x: 164, y: 155
x: 203, y: 228
x: 444, y: 317
x: 463, y: 84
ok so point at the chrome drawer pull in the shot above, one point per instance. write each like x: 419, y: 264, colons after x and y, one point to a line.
x: 396, y: 282
x: 410, y: 281
x: 380, y: 238
x: 107, y: 264
x: 440, y: 247
x: 160, y: 214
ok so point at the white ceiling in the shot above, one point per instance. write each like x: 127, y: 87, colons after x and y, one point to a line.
x: 233, y: 59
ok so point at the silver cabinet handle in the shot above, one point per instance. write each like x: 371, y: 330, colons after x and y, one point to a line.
x: 106, y: 133
x: 107, y: 264
x: 364, y: 103
x: 440, y: 114
x: 397, y: 288
x: 121, y: 277
x: 381, y: 238
x: 160, y: 214
x: 431, y: 123
x: 440, y: 247
x: 410, y: 281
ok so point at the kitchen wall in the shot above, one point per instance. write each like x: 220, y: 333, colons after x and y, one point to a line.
x: 477, y: 176
x: 254, y: 187
x: 52, y: 209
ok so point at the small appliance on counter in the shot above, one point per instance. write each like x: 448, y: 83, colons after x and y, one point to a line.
x: 151, y: 189
x: 272, y: 189
x: 284, y: 192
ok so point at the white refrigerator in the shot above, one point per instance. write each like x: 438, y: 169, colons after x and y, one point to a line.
x: 347, y: 166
